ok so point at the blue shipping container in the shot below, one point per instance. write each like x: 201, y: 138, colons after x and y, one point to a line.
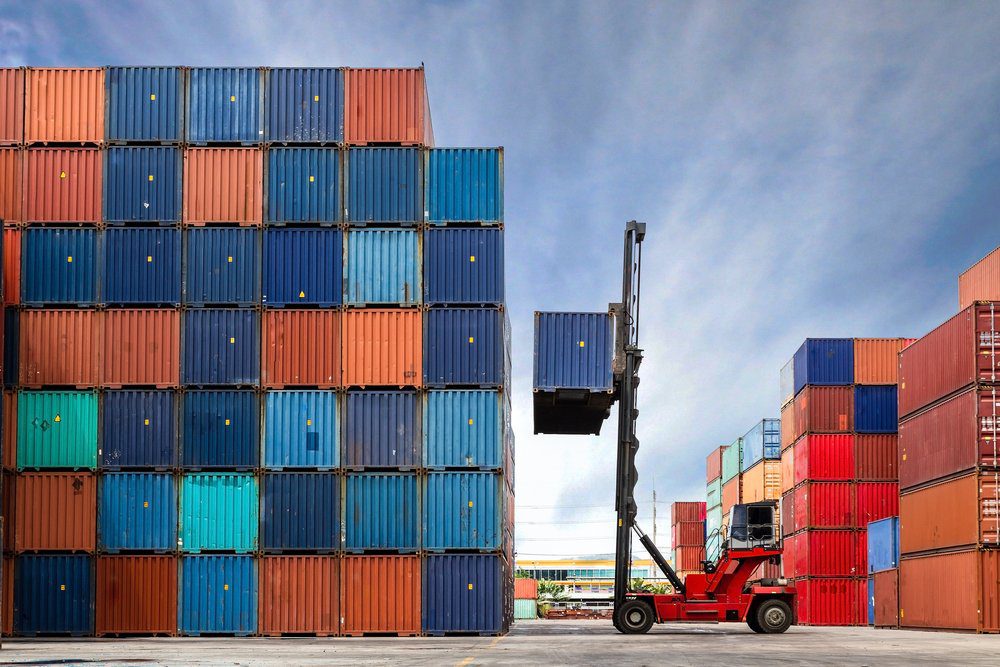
x: 137, y: 511
x: 384, y: 185
x: 463, y: 593
x: 303, y: 185
x: 573, y: 351
x: 382, y: 266
x: 142, y: 266
x: 301, y: 430
x: 222, y: 266
x: 219, y: 512
x: 221, y: 429
x: 224, y: 104
x: 824, y: 361
x: 218, y: 595
x: 59, y: 266
x: 381, y: 512
x: 303, y: 267
x: 221, y: 346
x: 54, y: 595
x: 142, y: 184
x: 11, y: 342
x: 461, y: 511
x: 871, y: 600
x: 883, y: 545
x: 464, y: 346
x: 144, y: 104
x: 463, y: 266
x: 305, y: 105
x: 462, y: 429
x: 464, y: 185
x: 761, y: 442
x: 301, y: 511
x: 875, y: 409
x: 381, y: 429
x: 139, y: 429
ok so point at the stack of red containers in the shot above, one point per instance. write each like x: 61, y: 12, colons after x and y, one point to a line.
x: 688, y: 536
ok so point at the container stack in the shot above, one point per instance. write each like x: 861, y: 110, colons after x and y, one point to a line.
x: 525, y: 599
x: 713, y: 504
x: 760, y: 474
x: 732, y: 479
x: 688, y: 537
x: 883, y: 573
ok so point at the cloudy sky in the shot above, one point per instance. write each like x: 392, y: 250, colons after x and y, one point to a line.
x: 805, y: 169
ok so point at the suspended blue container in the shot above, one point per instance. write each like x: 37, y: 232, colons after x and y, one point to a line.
x: 384, y: 185
x: 463, y: 266
x: 58, y: 266
x: 218, y: 595
x: 382, y: 267
x: 137, y: 511
x: 464, y: 185
x: 304, y: 105
x: 381, y: 512
x: 461, y: 511
x: 139, y: 429
x: 883, y: 545
x: 462, y: 429
x: 301, y: 511
x: 464, y: 346
x: 225, y: 105
x: 144, y: 104
x: 303, y: 267
x: 761, y: 442
x: 221, y: 347
x: 221, y: 429
x: 824, y: 361
x: 301, y: 430
x: 464, y: 593
x: 381, y: 429
x: 142, y: 266
x: 303, y: 185
x: 142, y: 184
x: 221, y: 266
x: 573, y: 351
x: 53, y: 595
x: 876, y: 409
x: 11, y: 343
x: 219, y: 512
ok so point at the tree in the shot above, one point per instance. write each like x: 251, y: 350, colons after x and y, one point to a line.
x: 551, y: 591
x: 640, y: 585
x: 522, y: 574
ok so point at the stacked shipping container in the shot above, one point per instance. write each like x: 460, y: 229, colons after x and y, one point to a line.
x: 687, y: 531
x: 713, y: 504
x: 883, y: 572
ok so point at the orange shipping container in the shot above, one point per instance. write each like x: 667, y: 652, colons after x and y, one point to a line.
x: 60, y: 347
x: 136, y: 595
x: 732, y: 493
x: 141, y: 347
x: 787, y: 469
x: 11, y: 105
x: 9, y: 430
x: 64, y: 105
x: 11, y: 161
x: 62, y: 185
x: 299, y: 595
x: 301, y: 348
x: 380, y: 594
x: 11, y: 266
x: 382, y: 347
x: 981, y: 281
x: 387, y: 106
x: 762, y: 482
x: 55, y: 511
x: 688, y: 559
x: 7, y: 496
x: 876, y: 360
x: 525, y: 589
x: 956, y: 513
x: 788, y: 425
x: 953, y: 591
x: 223, y: 185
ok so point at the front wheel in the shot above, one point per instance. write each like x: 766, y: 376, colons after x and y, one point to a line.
x: 634, y: 618
x: 773, y: 617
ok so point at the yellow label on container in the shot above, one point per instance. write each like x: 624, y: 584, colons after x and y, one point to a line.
x: 470, y: 503
x: 152, y: 97
x: 58, y: 418
x: 149, y: 259
x: 146, y: 421
x: 312, y: 179
x: 302, y: 295
x: 225, y: 587
x: 470, y: 422
x: 229, y: 259
x: 62, y: 587
x: 227, y: 422
x: 69, y: 259
x: 150, y: 178
x: 309, y: 422
x: 472, y: 258
x: 315, y: 98
x: 471, y: 339
x: 62, y: 174
x: 232, y: 98
x: 470, y: 587
x: 145, y: 503
x: 232, y: 341
x: 581, y: 343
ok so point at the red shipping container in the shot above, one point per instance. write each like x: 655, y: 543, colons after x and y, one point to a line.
x: 301, y: 348
x: 7, y: 496
x: 62, y: 185
x: 824, y: 410
x: 874, y: 501
x: 687, y: 511
x: 981, y: 281
x: 64, y: 104
x: 299, y: 595
x: 824, y: 457
x: 788, y: 425
x: 387, y: 106
x: 688, y: 534
x: 713, y: 464
x: 380, y: 594
x: 11, y: 105
x: 788, y: 525
x: 831, y: 601
x: 141, y: 347
x: 55, y: 511
x: 525, y: 589
x: 382, y: 347
x: 788, y: 545
x: 824, y: 505
x: 223, y: 185
x: 952, y: 591
x: 875, y: 457
x: 11, y: 193
x: 960, y: 352
x: 956, y: 513
x: 688, y: 559
x: 136, y: 595
x: 826, y: 553
x: 11, y: 266
x: 886, y: 599
x: 60, y: 347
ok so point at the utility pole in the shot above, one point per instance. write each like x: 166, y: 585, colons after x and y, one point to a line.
x: 654, y: 516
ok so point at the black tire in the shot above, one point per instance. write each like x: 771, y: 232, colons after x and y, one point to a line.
x: 634, y: 618
x: 773, y: 616
x: 752, y: 622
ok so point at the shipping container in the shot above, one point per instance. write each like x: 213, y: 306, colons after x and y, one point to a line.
x: 11, y: 190
x: 981, y: 281
x: 687, y: 511
x: 301, y: 430
x: 788, y: 470
x: 461, y: 511
x: 688, y: 534
x: 732, y: 493
x: 299, y: 595
x: 225, y: 105
x: 136, y: 595
x: 64, y: 105
x: 303, y: 185
x: 220, y: 429
x: 951, y: 591
x: 137, y: 511
x: 713, y: 464
x: 788, y: 524
x: 142, y: 184
x: 382, y: 347
x: 384, y: 185
x: 11, y: 347
x: 732, y: 457
x: 304, y: 105
x: 788, y: 425
x: 824, y: 458
x: 464, y: 593
x: 688, y: 559
x: 713, y: 493
x: 826, y: 553
x: 871, y: 600
x: 824, y: 410
x: 10, y: 272
x: 382, y: 429
x: 8, y: 503
x: 62, y: 185
x: 380, y: 594
x: 219, y: 512
x: 761, y: 482
x: 60, y: 266
x: 145, y: 104
x: 383, y: 106
x: 221, y: 267
x: 761, y: 442
x: 221, y: 346
x: 7, y: 597
x: 572, y: 350
x: 57, y: 429
x: 886, y: 599
x: 713, y: 533
x: 301, y: 348
x: 382, y: 266
x: 462, y: 429
x: 875, y: 409
x: 59, y: 347
x: 876, y: 360
x: 525, y: 610
x: 955, y: 513
x: 303, y: 267
x: 875, y: 457
x: 300, y: 511
x: 54, y: 595
x: 223, y: 185
x: 525, y: 589
x: 786, y: 382
x: 381, y: 512
x: 824, y: 505
x: 824, y: 361
x: 883, y: 544
x: 830, y: 601
x: 55, y: 511
x: 8, y: 434
x: 218, y: 595
x: 874, y: 501
x: 141, y: 347
x: 141, y: 266
x: 464, y: 185
x: 11, y: 106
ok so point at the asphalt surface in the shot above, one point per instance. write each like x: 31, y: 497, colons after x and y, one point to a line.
x: 536, y: 643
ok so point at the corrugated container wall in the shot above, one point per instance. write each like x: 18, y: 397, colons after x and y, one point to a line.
x: 301, y: 430
x: 145, y: 104
x: 461, y: 511
x: 384, y: 185
x: 381, y: 512
x: 60, y: 266
x: 219, y: 512
x: 713, y: 464
x: 883, y: 544
x: 956, y: 591
x: 464, y: 593
x: 462, y: 429
x: 762, y: 481
x: 224, y: 104
x: 55, y: 511
x: 57, y: 429
x: 954, y: 513
x: 464, y: 185
x: 54, y: 595
x: 300, y: 511
x: 875, y: 409
x: 299, y: 595
x: 981, y: 281
x: 11, y: 179
x: 463, y: 266
x: 876, y: 360
x: 11, y: 107
x: 885, y: 598
x: 142, y: 184
x: 828, y: 601
x: 221, y: 346
x: 824, y: 361
x: 824, y: 458
x: 824, y: 410
x: 136, y: 595
x: 304, y: 105
x: 218, y: 594
x: 222, y: 266
x: 687, y: 511
x: 787, y: 382
x: 713, y: 493
x: 10, y: 272
x: 380, y: 594
x: 382, y: 429
x: 64, y: 105
x: 141, y: 266
x: 139, y: 430
x: 223, y: 185
x: 303, y: 267
x: 59, y: 347
x: 387, y: 106
x: 303, y: 185
x: 732, y: 458
x: 382, y: 347
x: 220, y: 429
x: 137, y: 511
x: 573, y: 350
x: 763, y: 441
x: 875, y: 457
x: 382, y: 267
x: 301, y: 348
x: 525, y: 589
x: 62, y: 185
x: 466, y: 347
x: 141, y: 347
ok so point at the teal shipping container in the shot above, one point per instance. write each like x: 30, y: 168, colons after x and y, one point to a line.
x: 713, y: 539
x: 713, y: 493
x: 301, y: 430
x: 464, y: 185
x: 525, y: 610
x: 462, y: 429
x: 382, y: 266
x: 461, y: 511
x: 57, y: 430
x: 732, y: 458
x: 218, y: 595
x: 219, y: 512
x: 137, y: 511
x: 381, y: 512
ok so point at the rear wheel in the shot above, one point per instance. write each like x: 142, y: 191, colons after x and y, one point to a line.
x: 773, y: 616
x: 634, y: 618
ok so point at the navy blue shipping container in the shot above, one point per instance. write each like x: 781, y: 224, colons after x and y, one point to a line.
x: 58, y: 266
x: 225, y: 105
x: 142, y: 184
x: 381, y: 512
x: 142, y: 266
x: 573, y: 351
x: 824, y: 361
x: 220, y: 429
x: 11, y: 341
x: 464, y: 185
x: 463, y: 266
x: 217, y: 595
x: 303, y: 185
x: 463, y: 593
x: 137, y: 511
x: 875, y: 409
x: 464, y: 347
x: 381, y: 429
x: 144, y: 104
x: 384, y: 185
x: 221, y: 266
x: 301, y: 511
x: 303, y: 267
x: 139, y: 429
x: 883, y: 545
x: 54, y: 595
x: 304, y: 105
x: 221, y: 347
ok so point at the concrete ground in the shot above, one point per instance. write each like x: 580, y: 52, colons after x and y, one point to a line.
x: 538, y: 642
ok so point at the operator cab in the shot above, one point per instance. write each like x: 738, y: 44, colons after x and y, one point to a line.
x: 753, y: 526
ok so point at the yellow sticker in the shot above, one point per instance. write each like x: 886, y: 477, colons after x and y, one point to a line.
x: 470, y: 503
x: 471, y: 339
x: 69, y: 259
x: 230, y: 260
x: 309, y: 422
x: 150, y: 178
x: 581, y: 343
x: 149, y: 259
x: 227, y: 422
x: 62, y: 174
x: 312, y: 179
x: 225, y: 587
x: 152, y: 97
x: 62, y: 587
x: 470, y: 422
x: 470, y: 587
x: 472, y: 258
x: 232, y: 98
x: 58, y: 418
x: 145, y: 503
x: 232, y: 341
x: 315, y: 98
x: 302, y: 295
x: 146, y: 422
x: 904, y: 457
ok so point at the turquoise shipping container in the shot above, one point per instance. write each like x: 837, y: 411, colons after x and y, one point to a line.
x: 732, y: 458
x: 381, y: 512
x: 219, y: 512
x: 462, y: 429
x: 525, y: 610
x: 301, y: 430
x: 218, y: 595
x: 464, y: 185
x: 57, y: 430
x: 382, y: 266
x: 713, y: 493
x: 713, y: 537
x: 462, y: 511
x: 137, y: 511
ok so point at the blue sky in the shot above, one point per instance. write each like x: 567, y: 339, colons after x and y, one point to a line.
x: 805, y: 169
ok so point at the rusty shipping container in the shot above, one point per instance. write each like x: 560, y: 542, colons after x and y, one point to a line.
x: 380, y: 594
x: 962, y: 512
x: 11, y: 266
x: 141, y: 347
x: 981, y: 281
x: 387, y: 106
x: 301, y: 348
x: 886, y: 602
x: 824, y: 505
x: 11, y: 193
x: 951, y: 591
x: 688, y: 534
x: 876, y: 360
x: 824, y: 410
x: 382, y: 347
x: 11, y: 106
x: 713, y: 464
x: 875, y: 457
x: 60, y: 347
x: 136, y: 595
x: 62, y: 185
x: 64, y: 105
x: 55, y: 511
x: 788, y: 425
x: 787, y: 470
x: 299, y: 595
x: 223, y: 185
x: 874, y: 501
